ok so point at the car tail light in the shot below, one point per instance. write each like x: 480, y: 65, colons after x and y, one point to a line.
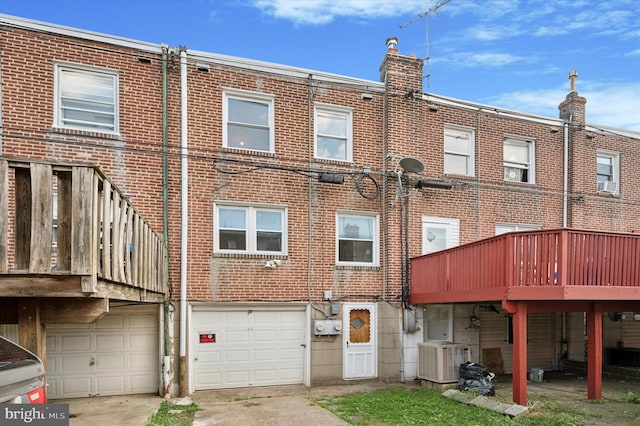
x: 37, y: 396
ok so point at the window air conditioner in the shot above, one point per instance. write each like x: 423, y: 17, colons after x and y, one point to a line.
x: 513, y: 174
x: 439, y: 362
x: 607, y: 186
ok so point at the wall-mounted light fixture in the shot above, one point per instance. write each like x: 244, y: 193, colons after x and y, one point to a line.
x: 273, y: 264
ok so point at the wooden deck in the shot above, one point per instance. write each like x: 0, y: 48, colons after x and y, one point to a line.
x: 545, y: 265
x: 67, y: 232
x: 557, y: 270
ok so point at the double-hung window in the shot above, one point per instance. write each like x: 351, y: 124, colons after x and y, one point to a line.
x: 357, y: 239
x: 333, y: 133
x: 459, y: 151
x: 519, y: 160
x: 608, y: 171
x: 248, y: 121
x: 250, y: 229
x: 86, y: 98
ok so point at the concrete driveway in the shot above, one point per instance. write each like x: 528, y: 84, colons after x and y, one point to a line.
x: 293, y: 405
x: 281, y: 410
x: 277, y: 405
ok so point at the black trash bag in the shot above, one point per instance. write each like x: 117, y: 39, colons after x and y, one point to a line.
x: 475, y: 377
x: 471, y: 370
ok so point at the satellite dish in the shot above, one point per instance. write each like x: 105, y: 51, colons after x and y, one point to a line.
x: 410, y: 164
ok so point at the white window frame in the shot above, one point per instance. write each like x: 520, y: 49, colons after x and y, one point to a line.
x: 242, y: 95
x: 375, y: 246
x: 451, y: 226
x: 250, y: 227
x: 514, y: 227
x: 513, y: 165
x: 458, y: 132
x: 338, y: 112
x: 438, y: 317
x: 614, y: 187
x: 59, y: 119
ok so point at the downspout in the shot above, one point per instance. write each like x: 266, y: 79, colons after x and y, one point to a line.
x: 184, y: 386
x: 168, y: 316
x: 310, y: 94
x: 565, y: 183
x: 564, y: 346
x: 310, y: 149
x: 1, y: 98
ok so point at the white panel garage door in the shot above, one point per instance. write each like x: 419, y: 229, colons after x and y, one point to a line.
x: 247, y: 347
x: 117, y: 355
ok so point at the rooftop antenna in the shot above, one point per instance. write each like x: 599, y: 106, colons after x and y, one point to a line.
x: 425, y: 15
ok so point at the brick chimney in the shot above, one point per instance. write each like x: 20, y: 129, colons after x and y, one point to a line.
x: 573, y: 107
x: 399, y: 71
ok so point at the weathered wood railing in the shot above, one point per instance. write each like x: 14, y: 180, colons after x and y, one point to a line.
x: 529, y: 260
x: 70, y: 219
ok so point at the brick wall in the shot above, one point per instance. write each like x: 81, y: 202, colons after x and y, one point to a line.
x: 132, y: 159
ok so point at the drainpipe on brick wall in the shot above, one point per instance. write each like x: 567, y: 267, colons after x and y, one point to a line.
x: 1, y: 129
x: 565, y: 183
x: 167, y: 322
x: 310, y: 142
x: 184, y: 222
x: 310, y: 95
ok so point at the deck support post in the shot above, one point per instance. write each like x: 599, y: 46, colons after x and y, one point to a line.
x: 594, y: 352
x: 31, y: 332
x: 520, y: 354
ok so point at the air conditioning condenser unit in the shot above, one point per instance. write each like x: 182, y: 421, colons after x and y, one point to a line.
x: 439, y: 362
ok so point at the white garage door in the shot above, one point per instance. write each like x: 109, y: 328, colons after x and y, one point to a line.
x: 117, y: 355
x: 255, y: 346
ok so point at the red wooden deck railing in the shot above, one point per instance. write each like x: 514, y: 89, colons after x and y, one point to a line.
x: 556, y: 264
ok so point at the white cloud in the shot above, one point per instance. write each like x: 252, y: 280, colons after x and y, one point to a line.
x: 490, y: 33
x: 614, y: 104
x: 320, y: 12
x: 610, y: 104
x: 478, y: 59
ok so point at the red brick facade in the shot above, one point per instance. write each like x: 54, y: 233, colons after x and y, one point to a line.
x: 395, y: 119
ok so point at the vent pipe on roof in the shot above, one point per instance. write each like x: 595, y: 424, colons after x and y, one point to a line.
x: 392, y: 43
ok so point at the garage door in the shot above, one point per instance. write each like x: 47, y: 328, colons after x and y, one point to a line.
x: 248, y: 347
x: 117, y: 355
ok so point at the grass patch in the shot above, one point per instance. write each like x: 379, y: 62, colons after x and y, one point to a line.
x: 173, y: 415
x: 633, y: 398
x: 394, y: 406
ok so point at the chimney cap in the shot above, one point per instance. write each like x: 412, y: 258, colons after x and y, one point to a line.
x: 391, y: 42
x: 573, y: 74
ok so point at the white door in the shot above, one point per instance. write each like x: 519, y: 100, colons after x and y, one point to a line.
x: 116, y: 355
x: 360, y: 360
x: 254, y: 346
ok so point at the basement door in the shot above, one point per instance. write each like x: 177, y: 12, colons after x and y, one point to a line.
x: 117, y: 355
x: 243, y: 347
x: 360, y: 346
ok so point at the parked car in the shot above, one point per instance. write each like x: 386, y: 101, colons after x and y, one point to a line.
x: 22, y: 373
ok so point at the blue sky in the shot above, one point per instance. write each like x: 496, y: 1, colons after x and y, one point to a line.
x: 514, y: 54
